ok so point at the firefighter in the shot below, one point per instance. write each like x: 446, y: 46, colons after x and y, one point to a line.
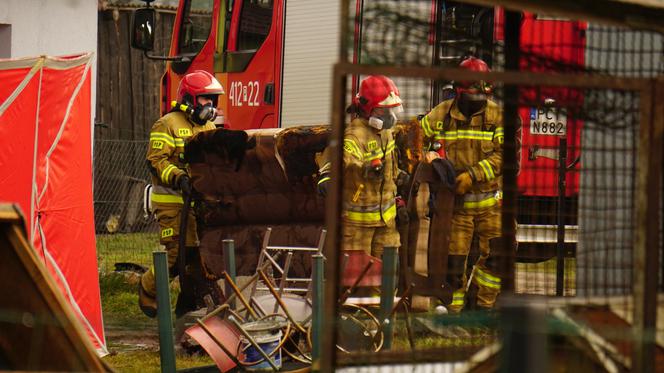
x: 193, y: 112
x: 370, y: 168
x: 470, y: 127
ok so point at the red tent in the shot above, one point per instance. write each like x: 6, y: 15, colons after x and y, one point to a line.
x: 46, y: 167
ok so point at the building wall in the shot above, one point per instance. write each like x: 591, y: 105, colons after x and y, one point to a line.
x: 49, y: 27
x: 52, y: 27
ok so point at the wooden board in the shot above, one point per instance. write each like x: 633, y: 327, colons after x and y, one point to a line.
x: 38, y: 330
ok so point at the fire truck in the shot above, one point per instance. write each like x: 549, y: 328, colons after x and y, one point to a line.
x: 275, y: 58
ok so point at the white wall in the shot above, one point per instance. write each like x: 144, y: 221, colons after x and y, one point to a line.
x: 51, y: 27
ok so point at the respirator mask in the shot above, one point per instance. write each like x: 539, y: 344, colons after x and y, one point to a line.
x: 384, y: 118
x: 203, y: 114
x: 472, y: 96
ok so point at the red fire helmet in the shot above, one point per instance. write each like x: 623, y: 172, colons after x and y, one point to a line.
x: 377, y: 91
x: 474, y: 64
x: 198, y: 83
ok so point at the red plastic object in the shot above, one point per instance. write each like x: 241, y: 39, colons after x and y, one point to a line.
x: 225, y: 333
x: 355, y: 263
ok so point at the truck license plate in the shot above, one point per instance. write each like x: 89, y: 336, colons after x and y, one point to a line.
x: 548, y: 122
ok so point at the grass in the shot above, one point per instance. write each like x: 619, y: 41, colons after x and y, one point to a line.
x: 125, y: 247
x: 148, y: 361
x: 131, y: 336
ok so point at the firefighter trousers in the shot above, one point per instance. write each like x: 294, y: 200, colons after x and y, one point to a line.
x: 485, y: 222
x: 169, y: 217
x: 371, y: 240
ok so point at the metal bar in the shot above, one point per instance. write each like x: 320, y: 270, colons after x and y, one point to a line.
x: 317, y: 312
x: 253, y: 343
x: 229, y: 265
x: 387, y: 287
x: 523, y: 336
x: 333, y: 216
x: 284, y: 279
x: 276, y: 296
x: 634, y: 14
x: 359, y: 278
x: 321, y: 240
x: 229, y: 299
x: 290, y: 248
x: 524, y: 78
x: 274, y: 263
x: 261, y: 256
x: 560, y: 257
x: 647, y: 202
x: 238, y: 292
x: 164, y: 318
x: 409, y: 328
x: 510, y: 161
x: 290, y: 290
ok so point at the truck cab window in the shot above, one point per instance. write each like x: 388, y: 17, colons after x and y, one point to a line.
x: 255, y: 22
x: 195, y: 26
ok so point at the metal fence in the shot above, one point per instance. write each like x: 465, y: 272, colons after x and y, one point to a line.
x: 124, y: 233
x: 584, y: 189
x: 127, y: 105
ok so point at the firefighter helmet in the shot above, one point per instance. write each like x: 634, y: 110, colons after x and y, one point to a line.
x: 198, y: 83
x: 474, y: 64
x: 377, y: 91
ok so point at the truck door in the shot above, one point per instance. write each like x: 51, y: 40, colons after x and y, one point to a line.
x: 194, y: 35
x: 249, y: 64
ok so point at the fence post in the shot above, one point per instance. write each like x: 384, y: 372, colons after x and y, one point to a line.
x: 387, y: 286
x: 317, y: 316
x: 524, y: 336
x: 164, y: 318
x: 229, y: 267
x: 646, y: 237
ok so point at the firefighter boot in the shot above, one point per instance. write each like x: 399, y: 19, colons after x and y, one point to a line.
x: 147, y: 301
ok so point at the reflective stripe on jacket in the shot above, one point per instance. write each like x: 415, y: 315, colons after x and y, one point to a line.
x: 369, y: 200
x: 166, y: 154
x: 474, y: 145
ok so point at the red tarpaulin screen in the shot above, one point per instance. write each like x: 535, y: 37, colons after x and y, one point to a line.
x: 46, y: 167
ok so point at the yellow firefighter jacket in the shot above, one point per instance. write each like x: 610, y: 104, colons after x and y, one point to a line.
x: 166, y: 152
x: 369, y: 198
x: 474, y: 145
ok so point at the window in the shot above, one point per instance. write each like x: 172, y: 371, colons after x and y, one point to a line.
x: 255, y: 22
x: 195, y: 27
x: 5, y: 41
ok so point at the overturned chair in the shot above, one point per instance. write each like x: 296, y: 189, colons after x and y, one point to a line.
x: 272, y: 319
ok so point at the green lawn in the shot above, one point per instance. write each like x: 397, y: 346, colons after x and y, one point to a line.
x: 132, y: 338
x: 125, y: 247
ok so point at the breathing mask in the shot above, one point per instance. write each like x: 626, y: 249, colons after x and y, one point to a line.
x: 384, y: 118
x: 199, y: 114
x: 471, y: 103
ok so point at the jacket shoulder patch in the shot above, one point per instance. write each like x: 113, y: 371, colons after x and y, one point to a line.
x: 184, y: 132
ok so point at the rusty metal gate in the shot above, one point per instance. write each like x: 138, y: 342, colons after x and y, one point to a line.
x: 581, y: 177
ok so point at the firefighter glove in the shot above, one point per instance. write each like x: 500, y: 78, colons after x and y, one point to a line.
x: 463, y: 183
x: 402, y: 211
x: 323, y: 183
x: 184, y: 184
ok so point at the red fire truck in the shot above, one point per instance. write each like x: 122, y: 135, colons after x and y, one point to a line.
x: 275, y: 57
